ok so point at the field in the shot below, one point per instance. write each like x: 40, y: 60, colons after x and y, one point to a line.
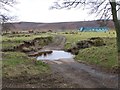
x: 17, y: 63
x: 103, y: 56
x: 9, y: 41
x: 13, y: 61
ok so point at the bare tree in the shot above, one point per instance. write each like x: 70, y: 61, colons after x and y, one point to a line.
x: 105, y: 9
x: 5, y: 6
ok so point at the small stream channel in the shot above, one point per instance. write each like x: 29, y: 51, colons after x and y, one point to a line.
x: 56, y: 55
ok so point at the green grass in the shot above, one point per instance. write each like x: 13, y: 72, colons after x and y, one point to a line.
x: 10, y: 42
x: 22, y: 37
x: 104, y: 56
x: 17, y: 63
x: 101, y: 56
x: 72, y: 38
x: 14, y: 58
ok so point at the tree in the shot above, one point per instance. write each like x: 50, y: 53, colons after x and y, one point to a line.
x: 5, y: 6
x: 104, y: 9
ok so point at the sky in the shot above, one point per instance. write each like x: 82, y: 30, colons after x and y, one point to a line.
x: 38, y: 11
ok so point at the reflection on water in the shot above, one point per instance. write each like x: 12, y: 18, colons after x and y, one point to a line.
x: 55, y: 55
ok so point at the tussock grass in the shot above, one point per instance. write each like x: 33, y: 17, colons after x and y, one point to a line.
x: 73, y: 38
x: 17, y: 63
x: 101, y: 56
x: 105, y: 56
x: 10, y: 42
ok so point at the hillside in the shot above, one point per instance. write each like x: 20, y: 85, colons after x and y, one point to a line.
x: 61, y: 26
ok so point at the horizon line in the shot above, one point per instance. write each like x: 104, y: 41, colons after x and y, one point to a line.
x: 53, y: 22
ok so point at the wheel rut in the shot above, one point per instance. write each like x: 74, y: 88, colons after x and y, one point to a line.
x: 83, y: 75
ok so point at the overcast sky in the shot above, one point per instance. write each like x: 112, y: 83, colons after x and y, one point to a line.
x: 38, y: 11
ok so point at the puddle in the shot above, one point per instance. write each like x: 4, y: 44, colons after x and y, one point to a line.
x: 55, y: 55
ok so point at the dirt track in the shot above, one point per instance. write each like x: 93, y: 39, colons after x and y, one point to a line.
x: 83, y: 75
x: 66, y: 73
x: 58, y: 43
x: 77, y: 73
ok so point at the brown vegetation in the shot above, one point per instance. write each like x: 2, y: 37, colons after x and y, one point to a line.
x: 94, y: 41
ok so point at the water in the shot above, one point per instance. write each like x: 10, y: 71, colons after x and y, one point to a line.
x: 56, y: 55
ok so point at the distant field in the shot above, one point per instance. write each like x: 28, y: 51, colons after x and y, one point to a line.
x: 86, y: 35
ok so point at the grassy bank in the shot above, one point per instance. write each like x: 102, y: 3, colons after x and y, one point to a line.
x: 11, y: 40
x: 104, y: 56
x: 18, y: 63
x: 73, y: 38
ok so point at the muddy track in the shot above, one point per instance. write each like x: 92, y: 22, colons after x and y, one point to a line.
x: 83, y: 75
x: 67, y: 73
x: 77, y: 73
x: 58, y: 43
